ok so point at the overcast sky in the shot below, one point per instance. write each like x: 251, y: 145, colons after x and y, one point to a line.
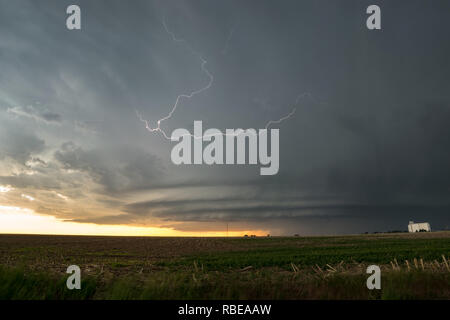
x: 368, y: 148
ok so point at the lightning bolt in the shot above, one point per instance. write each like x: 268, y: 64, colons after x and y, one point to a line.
x: 225, y: 48
x: 281, y: 119
x: 297, y: 101
x: 190, y: 95
x: 181, y: 96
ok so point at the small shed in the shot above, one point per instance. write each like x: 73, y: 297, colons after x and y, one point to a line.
x: 419, y: 227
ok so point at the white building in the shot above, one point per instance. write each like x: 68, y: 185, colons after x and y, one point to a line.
x: 418, y: 227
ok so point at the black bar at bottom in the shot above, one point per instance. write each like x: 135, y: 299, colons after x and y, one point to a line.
x: 226, y: 309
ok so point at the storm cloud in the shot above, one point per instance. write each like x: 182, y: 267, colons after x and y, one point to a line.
x: 368, y: 148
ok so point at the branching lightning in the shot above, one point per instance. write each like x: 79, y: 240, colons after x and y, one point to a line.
x: 184, y: 95
x: 230, y: 34
x: 203, y: 89
x: 297, y: 100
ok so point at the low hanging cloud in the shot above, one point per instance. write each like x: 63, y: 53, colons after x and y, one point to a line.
x: 19, y: 144
x: 122, y: 169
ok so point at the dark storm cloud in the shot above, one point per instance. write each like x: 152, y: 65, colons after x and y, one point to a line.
x: 367, y: 149
x: 109, y: 220
x: 18, y: 144
x: 39, y: 181
x: 33, y: 113
x: 51, y: 117
x: 130, y: 168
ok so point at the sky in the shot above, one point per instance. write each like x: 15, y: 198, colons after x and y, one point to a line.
x: 368, y: 148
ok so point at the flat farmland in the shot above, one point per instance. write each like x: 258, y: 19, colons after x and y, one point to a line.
x: 414, y: 266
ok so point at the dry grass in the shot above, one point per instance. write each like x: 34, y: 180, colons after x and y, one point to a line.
x: 413, y: 267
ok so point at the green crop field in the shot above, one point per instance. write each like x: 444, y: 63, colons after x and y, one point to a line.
x: 413, y: 266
